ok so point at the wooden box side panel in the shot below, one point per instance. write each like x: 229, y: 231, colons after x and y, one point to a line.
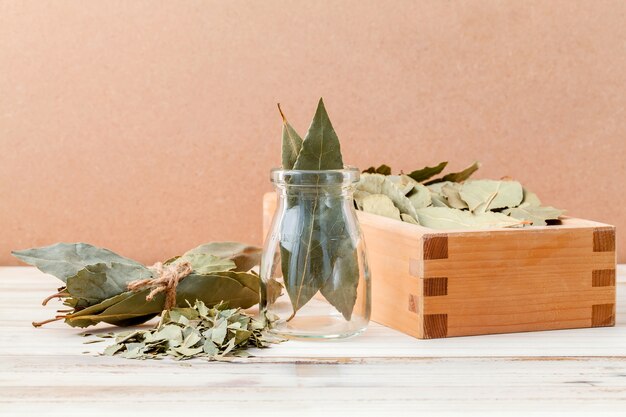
x: 521, y: 280
x: 391, y: 250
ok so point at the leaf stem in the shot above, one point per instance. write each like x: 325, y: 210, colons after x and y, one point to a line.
x: 57, y: 295
x: 41, y: 323
x: 281, y: 113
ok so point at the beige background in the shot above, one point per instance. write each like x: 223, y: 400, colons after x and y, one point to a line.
x: 150, y: 127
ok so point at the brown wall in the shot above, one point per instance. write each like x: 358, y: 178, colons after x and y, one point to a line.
x: 150, y: 127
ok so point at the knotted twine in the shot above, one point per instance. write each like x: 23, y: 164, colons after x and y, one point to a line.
x: 164, y: 278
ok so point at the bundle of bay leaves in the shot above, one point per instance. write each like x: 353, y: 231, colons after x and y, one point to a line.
x: 451, y: 201
x: 195, y: 331
x: 96, y: 281
x: 316, y: 248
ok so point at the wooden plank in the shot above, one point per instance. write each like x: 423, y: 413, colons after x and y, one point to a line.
x: 22, y: 289
x: 66, y: 386
x: 44, y: 372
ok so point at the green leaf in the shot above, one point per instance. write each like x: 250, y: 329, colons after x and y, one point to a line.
x: 383, y: 169
x: 243, y: 255
x: 292, y: 143
x: 202, y: 263
x: 486, y: 195
x: 96, y: 283
x: 218, y: 335
x: 113, y: 349
x: 425, y: 173
x: 320, y: 148
x: 64, y: 260
x: 340, y: 288
x: 536, y: 214
x: 381, y: 205
x: 209, y: 348
x: 457, y: 176
x: 304, y: 263
x: 238, y: 289
x: 449, y: 218
x: 168, y: 332
x: 314, y: 228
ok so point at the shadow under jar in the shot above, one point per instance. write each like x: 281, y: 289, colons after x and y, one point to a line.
x: 316, y: 250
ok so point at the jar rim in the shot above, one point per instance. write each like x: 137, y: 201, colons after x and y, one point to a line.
x: 348, y: 175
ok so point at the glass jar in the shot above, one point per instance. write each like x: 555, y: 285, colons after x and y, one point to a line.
x: 314, y: 248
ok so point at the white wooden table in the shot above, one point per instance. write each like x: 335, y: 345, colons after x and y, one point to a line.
x: 46, y: 371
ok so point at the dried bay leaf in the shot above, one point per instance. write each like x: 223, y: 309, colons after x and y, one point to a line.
x: 420, y: 196
x: 439, y: 201
x: 421, y: 175
x: 379, y: 184
x: 383, y: 169
x: 303, y: 261
x: 408, y: 219
x: 404, y: 183
x: 238, y: 288
x: 205, y: 264
x: 449, y: 218
x: 436, y: 194
x: 95, y: 283
x: 320, y: 148
x: 292, y: 143
x: 113, y: 349
x: 340, y: 286
x: 451, y: 191
x: 218, y: 333
x: 371, y: 183
x: 243, y: 255
x: 486, y: 195
x: 454, y: 193
x: 436, y: 188
x: 381, y: 205
x: 457, y: 176
x: 358, y: 198
x: 530, y: 198
x: 535, y: 214
x: 308, y: 262
x: 64, y: 260
x: 399, y: 199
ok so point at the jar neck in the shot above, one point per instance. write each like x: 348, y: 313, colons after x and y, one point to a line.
x: 315, y: 192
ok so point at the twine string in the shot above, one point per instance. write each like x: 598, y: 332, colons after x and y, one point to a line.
x: 165, y: 278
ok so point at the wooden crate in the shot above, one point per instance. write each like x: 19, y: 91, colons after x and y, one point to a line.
x: 432, y: 284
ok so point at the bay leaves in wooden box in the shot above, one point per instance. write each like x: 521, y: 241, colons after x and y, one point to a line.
x: 432, y: 283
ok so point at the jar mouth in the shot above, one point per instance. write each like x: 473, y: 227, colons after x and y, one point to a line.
x: 349, y: 175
